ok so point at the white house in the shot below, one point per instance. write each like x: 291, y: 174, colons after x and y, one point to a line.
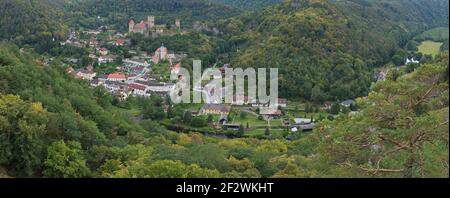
x: 409, y: 61
x: 105, y: 59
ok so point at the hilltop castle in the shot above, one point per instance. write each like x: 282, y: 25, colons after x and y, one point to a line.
x: 141, y: 27
x: 145, y: 26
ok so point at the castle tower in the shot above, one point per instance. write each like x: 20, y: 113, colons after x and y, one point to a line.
x: 151, y: 21
x: 131, y: 26
x: 178, y: 23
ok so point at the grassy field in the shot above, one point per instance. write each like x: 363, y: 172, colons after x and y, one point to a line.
x: 252, y: 120
x: 430, y: 47
x: 275, y: 133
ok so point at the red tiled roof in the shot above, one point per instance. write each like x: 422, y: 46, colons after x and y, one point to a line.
x: 141, y: 25
x: 176, y: 67
x: 116, y: 75
x: 136, y: 86
x: 120, y: 41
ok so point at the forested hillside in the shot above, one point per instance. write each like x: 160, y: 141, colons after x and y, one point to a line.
x: 401, y: 131
x: 85, y: 13
x: 246, y: 5
x: 32, y: 22
x: 30, y: 18
x: 326, y: 49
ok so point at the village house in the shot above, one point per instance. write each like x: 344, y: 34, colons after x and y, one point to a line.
x: 93, y: 56
x: 410, y: 61
x: 302, y: 120
x: 120, y: 42
x: 86, y: 73
x: 132, y: 52
x: 103, y: 51
x: 94, y: 32
x: 132, y: 77
x: 304, y: 123
x: 95, y: 83
x: 114, y: 86
x: 348, y: 103
x: 139, y: 70
x: 282, y: 102
x: 134, y: 62
x: 120, y: 95
x: 137, y: 90
x: 176, y: 68
x: 93, y: 42
x: 157, y: 87
x: 258, y: 103
x: 103, y: 78
x: 270, y: 113
x: 71, y: 60
x: 234, y: 127
x: 215, y: 109
x: 106, y: 59
x: 117, y: 77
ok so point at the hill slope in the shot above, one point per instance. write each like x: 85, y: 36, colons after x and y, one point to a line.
x: 248, y: 4
x: 326, y: 49
x: 118, y: 12
x: 28, y: 18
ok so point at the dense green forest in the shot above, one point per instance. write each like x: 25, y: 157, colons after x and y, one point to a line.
x: 32, y: 22
x: 246, y: 5
x: 326, y: 49
x: 439, y: 34
x: 118, y: 12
